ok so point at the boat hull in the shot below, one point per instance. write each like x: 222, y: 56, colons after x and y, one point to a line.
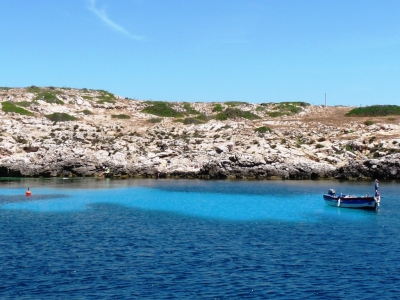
x: 352, y: 202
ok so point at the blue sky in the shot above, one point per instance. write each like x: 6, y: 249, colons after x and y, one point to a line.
x: 207, y: 50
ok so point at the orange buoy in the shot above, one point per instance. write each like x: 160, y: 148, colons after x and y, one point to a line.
x: 28, y: 192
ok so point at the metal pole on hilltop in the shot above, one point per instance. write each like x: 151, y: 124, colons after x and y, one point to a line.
x: 325, y: 99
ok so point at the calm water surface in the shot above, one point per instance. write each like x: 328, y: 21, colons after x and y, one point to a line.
x: 192, y: 239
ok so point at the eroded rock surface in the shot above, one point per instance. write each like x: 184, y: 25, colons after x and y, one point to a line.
x: 317, y: 142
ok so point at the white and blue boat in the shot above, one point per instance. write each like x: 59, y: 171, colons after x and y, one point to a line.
x: 348, y: 201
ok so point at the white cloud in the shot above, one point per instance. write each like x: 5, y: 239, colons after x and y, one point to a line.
x: 101, y: 13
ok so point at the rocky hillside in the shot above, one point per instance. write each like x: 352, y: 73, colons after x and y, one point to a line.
x: 77, y: 132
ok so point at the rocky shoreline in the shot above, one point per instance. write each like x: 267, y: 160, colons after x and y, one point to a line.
x: 227, y: 168
x: 120, y: 134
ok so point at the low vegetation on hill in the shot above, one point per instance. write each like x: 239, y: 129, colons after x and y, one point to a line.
x: 11, y: 107
x: 154, y: 120
x: 162, y: 109
x: 199, y: 119
x: 189, y: 109
x: 34, y: 89
x: 185, y: 112
x: 106, y: 97
x: 60, y: 117
x: 23, y: 103
x: 375, y: 111
x: 120, y: 116
x: 263, y: 129
x: 369, y: 122
x: 49, y: 97
x: 235, y: 103
x: 217, y: 108
x: 233, y: 113
x: 87, y: 112
x: 284, y: 108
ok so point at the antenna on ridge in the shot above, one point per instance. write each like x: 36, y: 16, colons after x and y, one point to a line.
x: 325, y: 99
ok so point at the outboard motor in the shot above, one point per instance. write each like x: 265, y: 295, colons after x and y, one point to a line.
x: 332, y: 192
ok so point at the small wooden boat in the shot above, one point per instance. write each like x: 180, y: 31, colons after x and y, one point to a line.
x: 347, y: 201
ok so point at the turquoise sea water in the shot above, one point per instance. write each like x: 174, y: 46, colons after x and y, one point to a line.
x: 163, y: 239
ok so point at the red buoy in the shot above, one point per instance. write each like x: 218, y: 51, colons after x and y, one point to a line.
x: 28, y: 192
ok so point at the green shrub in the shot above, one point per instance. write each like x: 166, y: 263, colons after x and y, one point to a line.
x: 292, y: 108
x: 199, y: 119
x: 319, y: 146
x: 162, y: 109
x: 11, y: 107
x: 234, y: 103
x: 60, y: 117
x: 375, y: 111
x: 120, y: 116
x: 217, y: 108
x: 106, y: 100
x: 87, y: 112
x: 154, y: 120
x: 105, y: 97
x: 48, y: 97
x: 87, y: 97
x: 233, y: 113
x: 188, y: 121
x: 371, y: 139
x: 33, y: 89
x: 274, y: 114
x: 369, y: 122
x: 321, y: 139
x: 296, y: 103
x: 202, y: 117
x: 263, y: 129
x: 291, y: 103
x: 23, y: 103
x: 189, y: 109
x: 285, y: 108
